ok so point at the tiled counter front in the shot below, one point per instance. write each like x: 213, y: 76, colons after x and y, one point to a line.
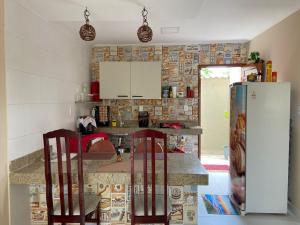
x: 115, y: 203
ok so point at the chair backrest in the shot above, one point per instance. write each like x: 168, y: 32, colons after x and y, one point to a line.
x: 141, y: 147
x: 103, y: 147
x: 144, y: 136
x: 63, y: 136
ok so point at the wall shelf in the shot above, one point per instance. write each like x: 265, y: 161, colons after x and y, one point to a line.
x: 88, y: 102
x: 99, y: 102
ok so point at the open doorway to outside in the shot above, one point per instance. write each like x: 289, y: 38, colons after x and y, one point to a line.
x: 215, y: 110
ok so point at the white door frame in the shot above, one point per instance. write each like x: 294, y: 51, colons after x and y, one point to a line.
x: 4, y: 180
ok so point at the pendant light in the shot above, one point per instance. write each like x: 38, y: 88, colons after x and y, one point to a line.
x: 145, y: 33
x: 87, y: 32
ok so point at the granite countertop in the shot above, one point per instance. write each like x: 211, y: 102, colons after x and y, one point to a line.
x: 128, y: 130
x: 183, y: 169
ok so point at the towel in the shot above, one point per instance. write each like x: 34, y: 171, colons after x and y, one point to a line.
x: 86, y: 121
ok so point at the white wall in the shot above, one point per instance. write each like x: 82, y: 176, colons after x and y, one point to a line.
x: 281, y: 44
x: 45, y: 65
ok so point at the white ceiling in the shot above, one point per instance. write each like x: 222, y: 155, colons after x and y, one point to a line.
x: 116, y: 21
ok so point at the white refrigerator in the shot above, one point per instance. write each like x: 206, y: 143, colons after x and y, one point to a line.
x: 259, y: 146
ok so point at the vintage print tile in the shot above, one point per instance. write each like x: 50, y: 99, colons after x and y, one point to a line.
x: 128, y: 210
x: 158, y: 110
x: 176, y: 194
x: 190, y: 199
x: 192, y: 48
x: 118, y: 188
x: 118, y: 215
x: 118, y: 200
x: 39, y: 215
x: 190, y: 215
x: 105, y: 216
x: 91, y: 189
x: 128, y: 193
x: 105, y: 204
x: 177, y: 213
x: 104, y: 190
x: 42, y: 201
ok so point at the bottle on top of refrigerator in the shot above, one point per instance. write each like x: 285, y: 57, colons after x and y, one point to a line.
x: 274, y: 76
x: 269, y: 71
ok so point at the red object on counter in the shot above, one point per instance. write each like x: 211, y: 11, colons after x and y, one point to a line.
x: 171, y: 125
x: 85, y: 141
x: 95, y: 90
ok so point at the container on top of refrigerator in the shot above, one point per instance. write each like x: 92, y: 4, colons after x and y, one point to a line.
x: 274, y: 76
x: 269, y: 71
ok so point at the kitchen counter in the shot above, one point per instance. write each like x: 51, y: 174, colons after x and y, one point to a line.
x: 183, y: 169
x: 129, y: 130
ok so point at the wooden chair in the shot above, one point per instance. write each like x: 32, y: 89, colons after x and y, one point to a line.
x: 72, y: 207
x: 149, y: 208
x: 141, y: 147
x: 104, y: 146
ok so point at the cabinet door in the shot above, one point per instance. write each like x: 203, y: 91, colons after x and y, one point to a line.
x: 146, y: 80
x: 114, y: 80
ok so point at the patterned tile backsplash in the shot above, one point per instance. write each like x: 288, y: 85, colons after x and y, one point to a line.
x: 159, y: 109
x: 179, y: 68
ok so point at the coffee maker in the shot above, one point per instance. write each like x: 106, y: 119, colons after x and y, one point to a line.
x: 143, y: 118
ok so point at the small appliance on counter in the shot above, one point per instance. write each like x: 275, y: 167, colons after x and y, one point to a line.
x: 86, y: 125
x: 104, y: 116
x: 143, y: 118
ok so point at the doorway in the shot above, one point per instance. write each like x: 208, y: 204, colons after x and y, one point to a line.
x: 215, y: 114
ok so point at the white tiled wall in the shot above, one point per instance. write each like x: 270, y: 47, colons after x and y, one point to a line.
x: 45, y: 65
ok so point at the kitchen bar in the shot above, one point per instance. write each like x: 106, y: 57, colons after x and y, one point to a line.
x: 111, y: 180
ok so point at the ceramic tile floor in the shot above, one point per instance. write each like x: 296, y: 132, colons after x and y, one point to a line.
x: 219, y: 184
x: 214, y: 160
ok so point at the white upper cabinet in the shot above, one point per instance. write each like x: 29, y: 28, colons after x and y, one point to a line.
x: 114, y: 80
x: 145, y: 80
x: 125, y: 80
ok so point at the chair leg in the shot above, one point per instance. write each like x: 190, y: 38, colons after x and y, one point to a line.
x: 82, y: 220
x: 98, y: 214
x: 49, y: 222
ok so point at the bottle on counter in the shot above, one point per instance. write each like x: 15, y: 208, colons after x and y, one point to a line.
x: 191, y: 93
x: 174, y: 91
x: 170, y: 92
x: 188, y: 92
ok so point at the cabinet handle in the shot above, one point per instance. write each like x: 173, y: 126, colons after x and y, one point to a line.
x: 137, y: 96
x: 122, y: 96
